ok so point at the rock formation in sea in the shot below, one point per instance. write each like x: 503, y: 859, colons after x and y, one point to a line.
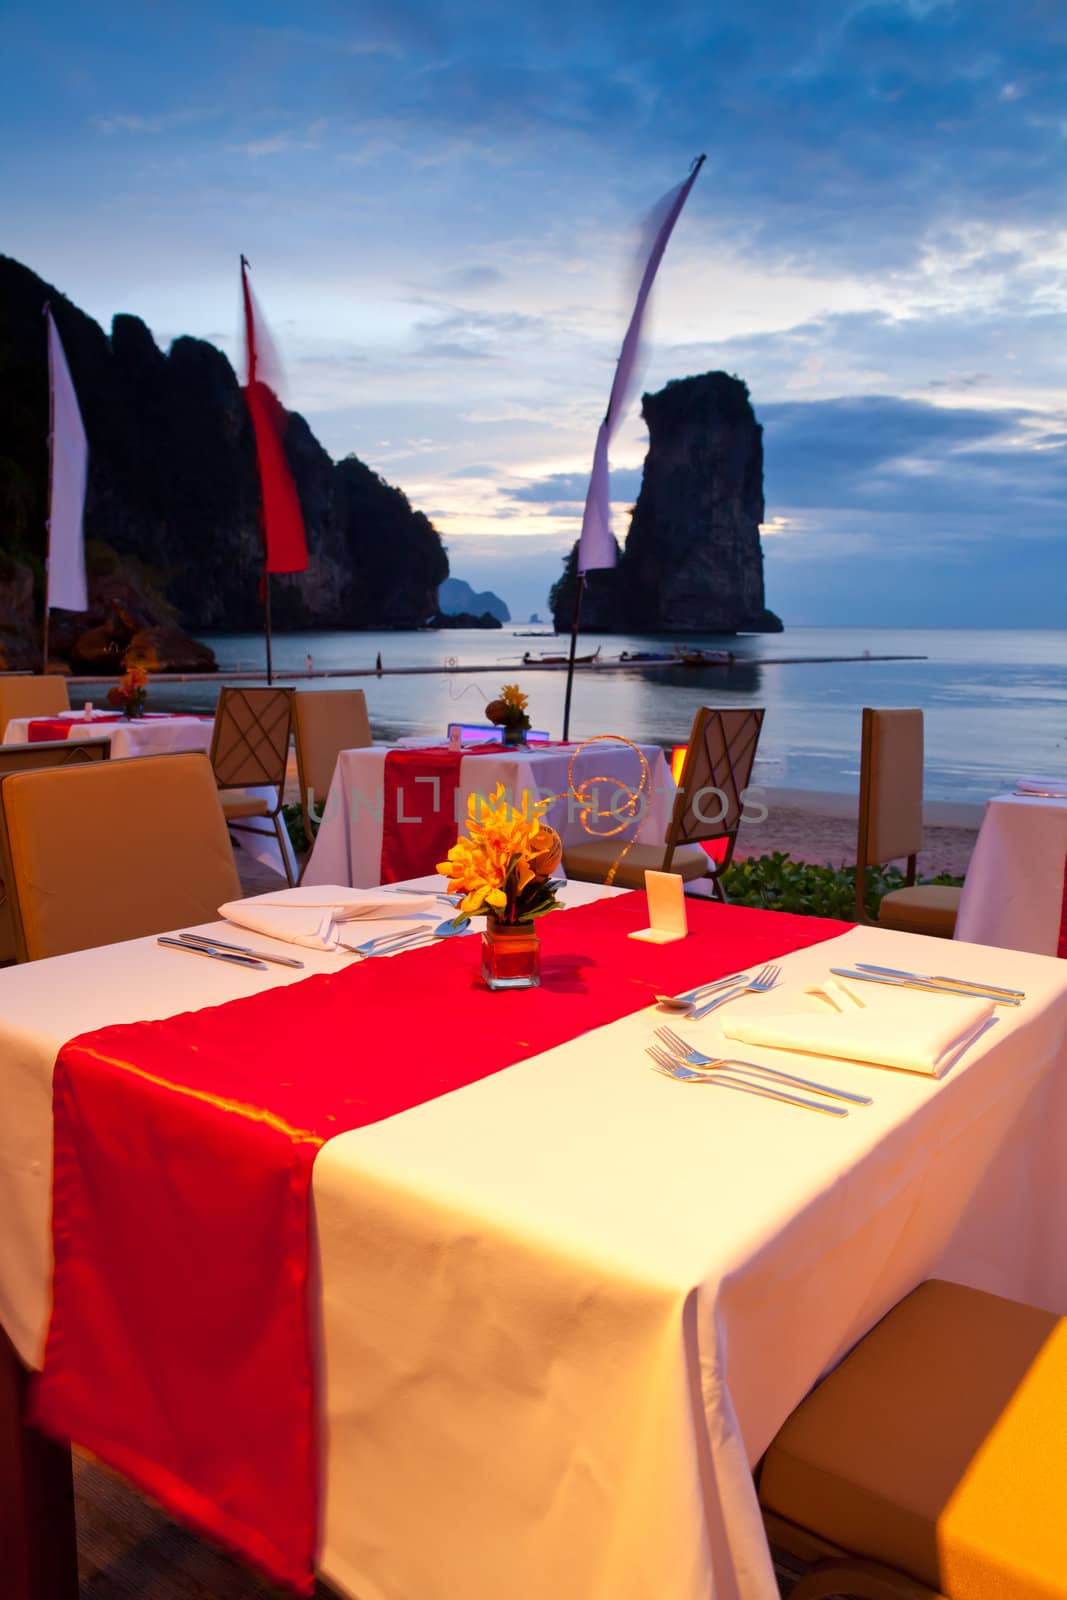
x: 692, y: 562
x: 172, y: 509
x: 456, y: 596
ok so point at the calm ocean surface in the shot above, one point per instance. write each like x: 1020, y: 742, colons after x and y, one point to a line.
x: 995, y: 702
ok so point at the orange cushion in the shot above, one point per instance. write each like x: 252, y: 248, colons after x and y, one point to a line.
x: 242, y: 805
x: 924, y: 908
x: 939, y: 1447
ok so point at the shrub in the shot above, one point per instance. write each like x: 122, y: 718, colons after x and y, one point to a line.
x: 778, y: 883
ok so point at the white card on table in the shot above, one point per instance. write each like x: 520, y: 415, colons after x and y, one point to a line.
x: 666, y: 909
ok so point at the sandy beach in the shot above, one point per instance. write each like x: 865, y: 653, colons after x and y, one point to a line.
x: 819, y: 826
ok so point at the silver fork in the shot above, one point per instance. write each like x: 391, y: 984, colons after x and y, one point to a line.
x: 686, y: 1056
x: 385, y: 943
x: 767, y: 1089
x: 765, y: 979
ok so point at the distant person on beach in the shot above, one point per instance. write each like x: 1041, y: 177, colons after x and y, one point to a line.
x: 309, y: 661
x: 378, y: 664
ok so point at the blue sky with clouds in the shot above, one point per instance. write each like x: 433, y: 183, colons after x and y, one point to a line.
x: 441, y: 205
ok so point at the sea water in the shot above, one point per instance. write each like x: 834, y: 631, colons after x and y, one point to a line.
x: 995, y: 702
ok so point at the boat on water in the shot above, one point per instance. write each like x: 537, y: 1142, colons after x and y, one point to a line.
x: 521, y: 633
x: 649, y: 655
x: 545, y: 660
x: 705, y: 658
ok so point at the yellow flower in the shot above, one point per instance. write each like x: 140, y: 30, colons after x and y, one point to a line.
x: 513, y: 696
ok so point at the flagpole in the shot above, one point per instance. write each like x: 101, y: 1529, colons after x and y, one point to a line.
x: 576, y: 619
x: 48, y: 520
x: 266, y: 621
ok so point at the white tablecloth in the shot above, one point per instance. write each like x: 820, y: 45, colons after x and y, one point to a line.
x: 348, y: 847
x: 140, y: 736
x: 563, y: 1310
x: 160, y: 736
x: 1013, y: 894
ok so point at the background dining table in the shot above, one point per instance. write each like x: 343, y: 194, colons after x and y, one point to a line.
x: 562, y: 1311
x: 1015, y: 893
x: 157, y: 734
x: 348, y: 845
x: 150, y: 735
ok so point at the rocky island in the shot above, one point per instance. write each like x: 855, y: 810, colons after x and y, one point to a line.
x: 692, y: 562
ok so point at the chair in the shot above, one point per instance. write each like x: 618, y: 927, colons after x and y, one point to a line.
x: 109, y: 850
x: 891, y: 824
x: 324, y: 724
x: 20, y: 757
x: 930, y: 1465
x: 41, y: 696
x: 250, y: 750
x: 721, y: 750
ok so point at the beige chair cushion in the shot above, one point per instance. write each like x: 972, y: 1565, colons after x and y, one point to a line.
x: 592, y: 862
x: 42, y: 696
x: 243, y: 805
x: 924, y: 908
x: 939, y: 1448
x: 114, y: 850
x: 325, y: 722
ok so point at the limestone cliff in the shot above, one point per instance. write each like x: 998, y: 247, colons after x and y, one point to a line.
x: 692, y: 561
x: 173, y: 487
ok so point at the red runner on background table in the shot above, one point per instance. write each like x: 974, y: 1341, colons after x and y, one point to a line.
x: 42, y: 728
x: 419, y: 822
x: 180, y: 1344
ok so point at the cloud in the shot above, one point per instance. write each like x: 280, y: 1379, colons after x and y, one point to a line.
x: 567, y: 489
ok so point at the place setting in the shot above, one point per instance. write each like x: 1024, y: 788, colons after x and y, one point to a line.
x: 839, y: 1020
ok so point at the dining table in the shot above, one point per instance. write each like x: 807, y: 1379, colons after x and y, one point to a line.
x: 376, y: 828
x: 156, y: 733
x: 1015, y: 892
x: 558, y: 1311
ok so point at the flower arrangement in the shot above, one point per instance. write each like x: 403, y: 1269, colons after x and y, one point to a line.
x: 130, y: 693
x: 509, y: 712
x: 502, y: 865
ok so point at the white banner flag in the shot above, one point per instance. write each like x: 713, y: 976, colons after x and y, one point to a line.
x: 66, y: 585
x: 596, y: 547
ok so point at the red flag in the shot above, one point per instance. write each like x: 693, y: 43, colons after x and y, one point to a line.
x: 283, y: 524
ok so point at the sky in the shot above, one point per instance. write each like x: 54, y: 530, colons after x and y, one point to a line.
x: 441, y: 205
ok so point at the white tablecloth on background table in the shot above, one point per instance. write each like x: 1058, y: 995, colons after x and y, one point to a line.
x: 563, y: 1310
x: 161, y: 736
x: 136, y: 736
x: 1013, y: 895
x: 348, y: 846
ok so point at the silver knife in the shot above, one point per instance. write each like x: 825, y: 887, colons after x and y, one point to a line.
x: 940, y: 977
x: 239, y: 949
x: 921, y: 983
x: 215, y: 955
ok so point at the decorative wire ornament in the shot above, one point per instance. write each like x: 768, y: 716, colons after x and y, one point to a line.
x: 620, y: 812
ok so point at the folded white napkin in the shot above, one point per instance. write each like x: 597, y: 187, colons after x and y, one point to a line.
x: 311, y: 915
x: 1033, y: 784
x: 913, y: 1030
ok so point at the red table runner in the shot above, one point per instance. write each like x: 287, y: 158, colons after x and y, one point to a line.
x: 42, y: 728
x: 180, y: 1344
x: 419, y: 822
